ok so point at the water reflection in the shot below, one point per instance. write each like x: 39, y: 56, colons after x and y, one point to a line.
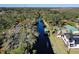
x: 42, y: 45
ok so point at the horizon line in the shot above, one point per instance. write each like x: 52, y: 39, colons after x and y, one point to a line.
x: 41, y: 5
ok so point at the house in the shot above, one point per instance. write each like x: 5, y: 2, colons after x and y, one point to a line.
x: 70, y: 36
x: 71, y: 29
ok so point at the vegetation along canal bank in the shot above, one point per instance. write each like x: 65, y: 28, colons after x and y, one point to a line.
x: 43, y: 45
x: 39, y: 30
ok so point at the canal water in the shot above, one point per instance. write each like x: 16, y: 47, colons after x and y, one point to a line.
x: 42, y: 45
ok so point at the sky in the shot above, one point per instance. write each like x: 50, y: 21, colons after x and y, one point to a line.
x: 39, y: 5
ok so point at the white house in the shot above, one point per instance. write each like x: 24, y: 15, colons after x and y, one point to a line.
x: 70, y: 36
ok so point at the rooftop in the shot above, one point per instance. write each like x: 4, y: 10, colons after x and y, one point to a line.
x: 70, y: 28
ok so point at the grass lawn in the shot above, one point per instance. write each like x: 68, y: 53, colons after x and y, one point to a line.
x: 58, y: 45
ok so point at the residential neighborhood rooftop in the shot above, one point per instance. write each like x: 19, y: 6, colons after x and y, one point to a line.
x: 70, y: 28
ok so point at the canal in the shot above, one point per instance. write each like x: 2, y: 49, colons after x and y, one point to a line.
x: 42, y: 44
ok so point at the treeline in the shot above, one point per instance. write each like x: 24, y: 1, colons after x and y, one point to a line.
x: 8, y: 16
x: 58, y: 16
